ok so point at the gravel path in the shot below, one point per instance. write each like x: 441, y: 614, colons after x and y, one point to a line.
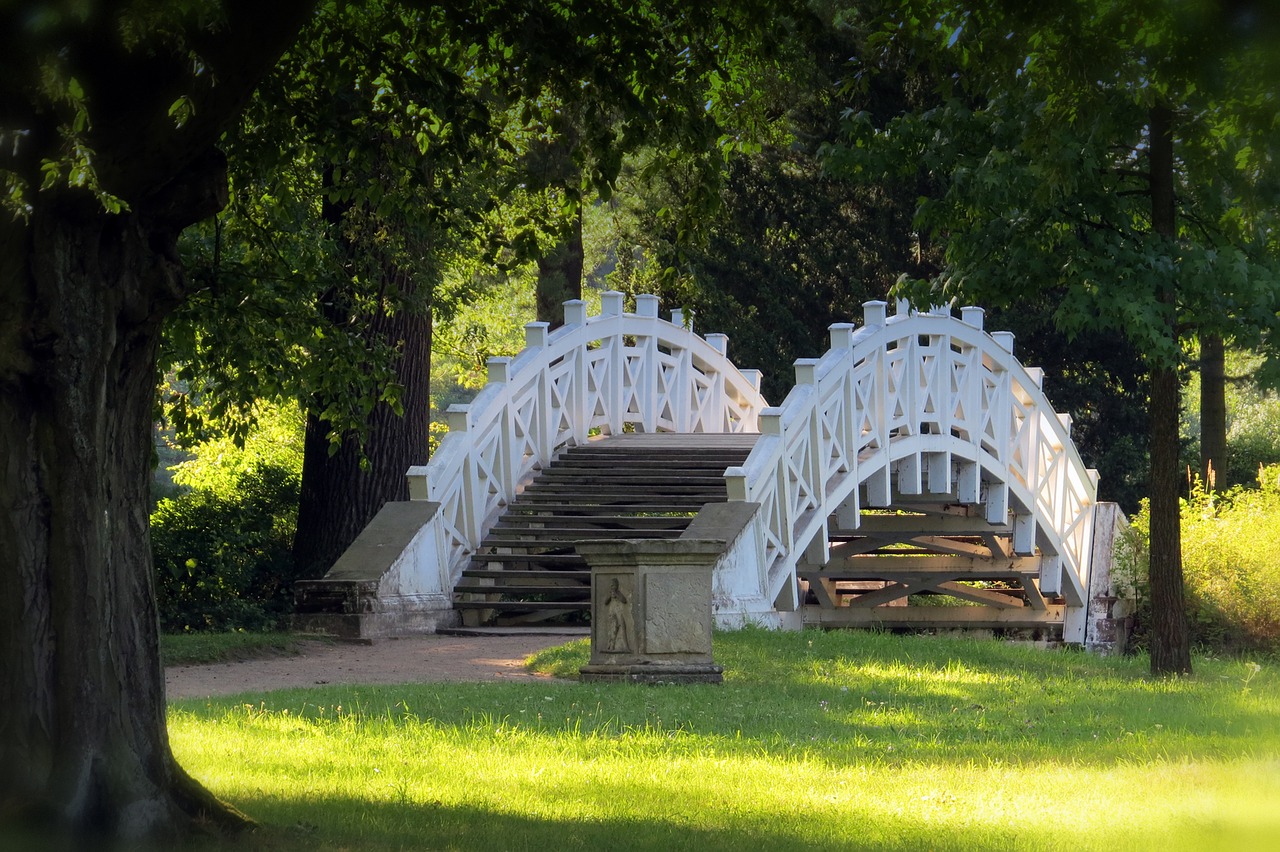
x: 418, y: 659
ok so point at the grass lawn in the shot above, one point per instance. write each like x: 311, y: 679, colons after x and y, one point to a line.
x: 195, y: 648
x: 814, y: 741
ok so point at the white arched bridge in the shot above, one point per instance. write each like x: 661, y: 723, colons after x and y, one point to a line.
x: 916, y: 463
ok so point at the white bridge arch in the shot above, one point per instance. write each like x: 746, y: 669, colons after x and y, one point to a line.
x: 916, y: 455
x: 606, y: 374
x: 916, y: 410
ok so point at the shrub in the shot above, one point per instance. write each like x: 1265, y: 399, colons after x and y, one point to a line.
x: 222, y: 548
x: 1230, y: 567
x: 223, y: 559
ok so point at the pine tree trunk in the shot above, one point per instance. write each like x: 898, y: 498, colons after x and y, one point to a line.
x: 1170, y: 645
x: 83, y: 741
x: 339, y: 495
x: 560, y: 275
x: 1213, y: 412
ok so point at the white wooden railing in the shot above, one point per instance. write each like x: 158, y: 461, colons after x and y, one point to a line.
x: 942, y: 407
x: 605, y: 374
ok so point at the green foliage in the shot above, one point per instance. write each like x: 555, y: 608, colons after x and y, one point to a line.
x: 784, y: 250
x: 1037, y: 144
x: 816, y: 740
x: 1253, y: 420
x: 1229, y: 564
x: 222, y: 548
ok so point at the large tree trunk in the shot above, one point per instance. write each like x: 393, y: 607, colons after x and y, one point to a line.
x: 83, y: 742
x: 1170, y: 647
x: 1213, y: 412
x: 340, y: 495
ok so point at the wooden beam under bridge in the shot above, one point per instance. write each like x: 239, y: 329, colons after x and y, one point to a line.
x: 934, y: 616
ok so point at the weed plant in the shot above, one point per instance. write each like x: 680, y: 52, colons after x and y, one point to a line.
x: 815, y: 741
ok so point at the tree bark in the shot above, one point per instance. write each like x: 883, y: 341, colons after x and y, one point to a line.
x: 84, y: 748
x: 83, y: 740
x: 340, y: 495
x: 560, y: 275
x: 1213, y: 412
x: 1170, y: 645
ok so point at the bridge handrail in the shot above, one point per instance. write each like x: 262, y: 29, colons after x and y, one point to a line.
x: 928, y: 389
x: 606, y: 374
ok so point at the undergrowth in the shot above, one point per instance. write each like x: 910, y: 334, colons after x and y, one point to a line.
x: 1231, y: 566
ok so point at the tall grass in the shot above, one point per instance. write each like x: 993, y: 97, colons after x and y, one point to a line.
x: 815, y: 741
x: 1231, y: 564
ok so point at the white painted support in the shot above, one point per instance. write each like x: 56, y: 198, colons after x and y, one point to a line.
x: 972, y: 315
x: 841, y: 334
x: 879, y: 490
x: 1004, y: 339
x: 938, y: 472
x: 647, y: 305
x: 575, y: 312
x: 719, y: 342
x: 968, y: 484
x: 909, y: 474
x: 611, y: 303
x: 416, y: 478
x: 498, y: 369
x: 1051, y: 574
x: 874, y: 314
x: 806, y: 371
x: 677, y: 317
x: 1024, y: 534
x: 997, y: 503
x: 535, y: 334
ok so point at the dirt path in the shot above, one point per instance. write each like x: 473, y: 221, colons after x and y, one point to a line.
x: 420, y: 659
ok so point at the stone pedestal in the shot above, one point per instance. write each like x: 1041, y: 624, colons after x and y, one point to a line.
x: 651, y: 610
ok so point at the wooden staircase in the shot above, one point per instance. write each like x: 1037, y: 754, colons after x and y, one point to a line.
x: 526, y: 570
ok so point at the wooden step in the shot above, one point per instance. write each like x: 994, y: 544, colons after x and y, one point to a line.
x: 577, y: 511
x: 660, y: 478
x: 565, y: 536
x: 567, y: 533
x: 565, y: 558
x: 573, y: 592
x: 625, y: 486
x: 530, y: 574
x: 579, y: 606
x: 640, y: 497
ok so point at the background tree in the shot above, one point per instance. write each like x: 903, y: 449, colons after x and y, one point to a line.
x: 455, y: 114
x: 1122, y: 155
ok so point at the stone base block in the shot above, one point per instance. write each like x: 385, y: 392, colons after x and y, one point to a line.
x: 655, y: 674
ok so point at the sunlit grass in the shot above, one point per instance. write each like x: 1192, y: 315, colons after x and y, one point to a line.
x: 814, y: 741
